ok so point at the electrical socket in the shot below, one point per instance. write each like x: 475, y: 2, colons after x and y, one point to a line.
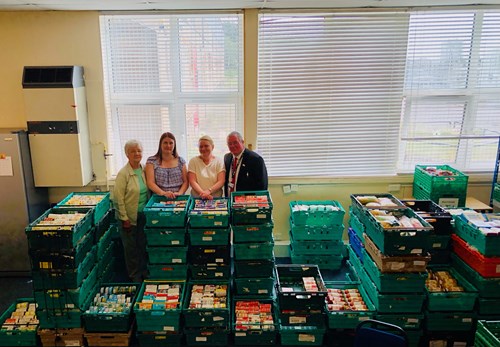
x: 294, y: 187
x: 287, y: 189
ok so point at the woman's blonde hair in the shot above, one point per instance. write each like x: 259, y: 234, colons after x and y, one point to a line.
x: 206, y: 138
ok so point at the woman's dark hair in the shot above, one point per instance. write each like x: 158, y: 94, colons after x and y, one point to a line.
x: 162, y: 137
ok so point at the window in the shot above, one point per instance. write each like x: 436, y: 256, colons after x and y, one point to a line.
x: 180, y: 73
x: 361, y: 93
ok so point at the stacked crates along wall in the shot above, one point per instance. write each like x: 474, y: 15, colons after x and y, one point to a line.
x: 301, y: 298
x: 390, y: 259
x: 316, y: 229
x: 442, y: 184
x: 165, y: 232
x: 476, y: 256
x: 63, y: 249
x: 209, y: 239
x: 254, y: 318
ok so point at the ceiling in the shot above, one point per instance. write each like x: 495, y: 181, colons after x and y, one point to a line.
x: 144, y: 5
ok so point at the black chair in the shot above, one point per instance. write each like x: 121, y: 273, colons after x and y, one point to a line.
x: 374, y: 333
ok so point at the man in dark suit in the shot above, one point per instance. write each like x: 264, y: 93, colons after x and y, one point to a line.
x: 245, y: 169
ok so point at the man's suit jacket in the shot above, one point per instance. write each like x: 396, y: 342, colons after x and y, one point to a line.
x: 252, y: 175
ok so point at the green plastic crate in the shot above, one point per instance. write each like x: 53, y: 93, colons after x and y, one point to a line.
x: 440, y: 186
x: 324, y: 262
x: 99, y: 209
x: 218, y: 217
x: 161, y: 216
x: 356, y: 225
x: 253, y: 233
x: 251, y: 213
x: 107, y: 274
x: 63, y: 259
x: 253, y: 250
x: 347, y: 319
x: 486, y: 287
x: 489, y: 333
x: 301, y: 335
x: 316, y: 318
x: 399, y: 240
x: 317, y: 213
x: 292, y: 293
x: 165, y: 236
x: 10, y: 338
x: 387, y: 303
x: 210, y: 271
x: 206, y: 317
x: 111, y: 321
x: 452, y: 301
x: 393, y: 282
x: 496, y: 193
x: 104, y: 242
x: 207, y: 337
x: 487, y: 244
x: 254, y: 268
x: 407, y: 321
x: 438, y: 242
x: 62, y: 318
x: 63, y: 279
x: 450, y: 321
x: 167, y: 271
x: 445, y: 199
x: 159, y: 339
x: 316, y: 233
x: 67, y: 299
x: 317, y: 247
x: 209, y: 237
x: 158, y: 317
x: 167, y: 254
x: 488, y: 306
x: 105, y: 258
x: 255, y: 287
x: 360, y: 207
x: 53, y: 236
x: 251, y: 334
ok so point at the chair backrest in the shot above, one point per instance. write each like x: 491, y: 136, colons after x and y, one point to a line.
x: 373, y: 333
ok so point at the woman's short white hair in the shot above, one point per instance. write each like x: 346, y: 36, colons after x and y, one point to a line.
x: 132, y: 143
x: 207, y: 138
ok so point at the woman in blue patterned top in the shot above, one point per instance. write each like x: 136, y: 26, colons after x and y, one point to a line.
x: 166, y: 172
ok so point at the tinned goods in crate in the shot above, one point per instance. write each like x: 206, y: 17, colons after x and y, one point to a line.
x: 19, y: 323
x: 254, y: 322
x: 209, y: 213
x: 207, y: 304
x: 163, y: 212
x: 251, y: 207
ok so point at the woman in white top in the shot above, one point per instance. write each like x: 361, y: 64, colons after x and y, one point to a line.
x: 206, y: 173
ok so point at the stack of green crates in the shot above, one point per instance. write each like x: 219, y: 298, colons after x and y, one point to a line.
x: 442, y: 184
x: 253, y: 244
x: 19, y: 324
x: 206, y: 313
x: 103, y: 228
x: 158, y: 313
x: 209, y: 239
x: 63, y: 265
x: 394, y: 256
x: 477, y: 250
x: 301, y: 298
x: 316, y: 229
x: 165, y: 232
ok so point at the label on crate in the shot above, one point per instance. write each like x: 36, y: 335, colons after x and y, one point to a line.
x: 466, y: 320
x: 70, y: 305
x: 219, y: 274
x: 217, y: 319
x: 201, y: 339
x: 207, y: 238
x: 412, y: 320
x: 261, y: 216
x: 219, y: 260
x: 262, y: 291
x: 419, y: 263
x: 217, y: 223
x: 448, y: 202
x: 175, y: 242
x: 240, y: 334
x: 397, y: 266
x: 176, y: 260
x: 362, y: 318
x: 166, y: 328
x: 297, y: 320
x: 307, y: 338
x: 416, y: 251
x: 436, y: 245
x: 72, y: 343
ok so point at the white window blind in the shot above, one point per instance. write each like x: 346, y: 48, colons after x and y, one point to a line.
x: 451, y: 111
x: 330, y: 88
x: 181, y: 73
x: 352, y: 93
